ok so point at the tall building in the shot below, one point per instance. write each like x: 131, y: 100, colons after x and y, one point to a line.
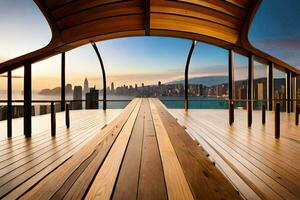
x: 85, y: 86
x: 69, y: 89
x: 112, y: 87
x: 77, y: 95
x: 92, y: 99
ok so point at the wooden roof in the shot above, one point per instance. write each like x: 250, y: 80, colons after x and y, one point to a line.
x: 224, y: 23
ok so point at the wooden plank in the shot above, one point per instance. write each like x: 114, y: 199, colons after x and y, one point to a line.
x: 46, y: 189
x: 248, y: 150
x: 205, y: 180
x: 103, y: 184
x: 126, y: 186
x: 151, y: 181
x: 176, y: 182
x: 191, y: 25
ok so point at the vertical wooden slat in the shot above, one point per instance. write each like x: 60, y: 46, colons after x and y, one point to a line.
x: 27, y: 99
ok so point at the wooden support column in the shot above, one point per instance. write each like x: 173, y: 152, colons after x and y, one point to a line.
x: 63, y: 81
x: 231, y: 86
x: 27, y: 99
x: 250, y: 89
x: 270, y: 85
x: 288, y: 91
x: 186, y: 76
x: 9, y: 104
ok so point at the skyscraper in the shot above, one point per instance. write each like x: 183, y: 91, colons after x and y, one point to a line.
x: 85, y: 86
x: 112, y: 87
x: 69, y: 89
x: 92, y: 99
x: 77, y: 95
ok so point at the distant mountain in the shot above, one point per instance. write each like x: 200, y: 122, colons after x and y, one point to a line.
x: 205, y: 80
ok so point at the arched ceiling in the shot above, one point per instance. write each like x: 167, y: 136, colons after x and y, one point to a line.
x: 224, y: 23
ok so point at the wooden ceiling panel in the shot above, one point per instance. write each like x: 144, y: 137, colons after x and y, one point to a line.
x: 52, y: 4
x: 78, y: 6
x: 187, y: 24
x: 194, y: 11
x: 101, y: 12
x: 241, y: 3
x: 104, y: 26
x: 221, y: 6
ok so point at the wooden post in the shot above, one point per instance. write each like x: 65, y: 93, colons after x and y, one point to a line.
x: 263, y: 113
x: 270, y: 85
x: 27, y: 99
x: 231, y: 112
x: 231, y: 85
x: 53, y: 120
x: 250, y: 88
x: 297, y: 115
x: 277, y: 121
x: 9, y: 105
x: 63, y: 81
x: 68, y: 115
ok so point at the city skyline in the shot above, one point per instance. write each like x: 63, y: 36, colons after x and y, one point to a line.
x: 140, y: 59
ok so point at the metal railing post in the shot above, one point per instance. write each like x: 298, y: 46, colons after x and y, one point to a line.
x: 263, y: 114
x: 53, y: 120
x: 186, y: 76
x: 231, y: 112
x: 297, y: 115
x: 9, y: 105
x: 103, y: 73
x: 277, y: 120
x: 68, y: 115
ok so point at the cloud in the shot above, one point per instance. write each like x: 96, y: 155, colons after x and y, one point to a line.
x: 287, y: 49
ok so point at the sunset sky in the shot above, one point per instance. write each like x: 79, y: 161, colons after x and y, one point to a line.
x: 275, y: 30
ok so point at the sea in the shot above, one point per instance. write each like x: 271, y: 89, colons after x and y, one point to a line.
x: 176, y: 102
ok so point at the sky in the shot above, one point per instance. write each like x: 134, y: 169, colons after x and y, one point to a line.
x: 275, y: 30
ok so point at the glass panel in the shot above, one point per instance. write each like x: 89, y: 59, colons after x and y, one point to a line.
x: 259, y: 85
x: 241, y: 76
x: 208, y: 77
x: 280, y: 88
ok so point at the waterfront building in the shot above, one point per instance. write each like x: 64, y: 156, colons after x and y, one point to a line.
x: 77, y: 97
x: 92, y: 99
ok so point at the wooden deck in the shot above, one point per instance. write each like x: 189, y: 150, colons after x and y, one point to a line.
x: 257, y: 164
x: 24, y: 162
x: 145, y: 153
x: 142, y: 154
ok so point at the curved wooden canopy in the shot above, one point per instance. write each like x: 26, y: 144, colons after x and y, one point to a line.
x: 224, y: 23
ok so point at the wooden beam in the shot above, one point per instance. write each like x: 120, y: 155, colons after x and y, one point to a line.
x: 147, y: 17
x: 27, y: 99
x: 250, y: 88
x: 9, y: 104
